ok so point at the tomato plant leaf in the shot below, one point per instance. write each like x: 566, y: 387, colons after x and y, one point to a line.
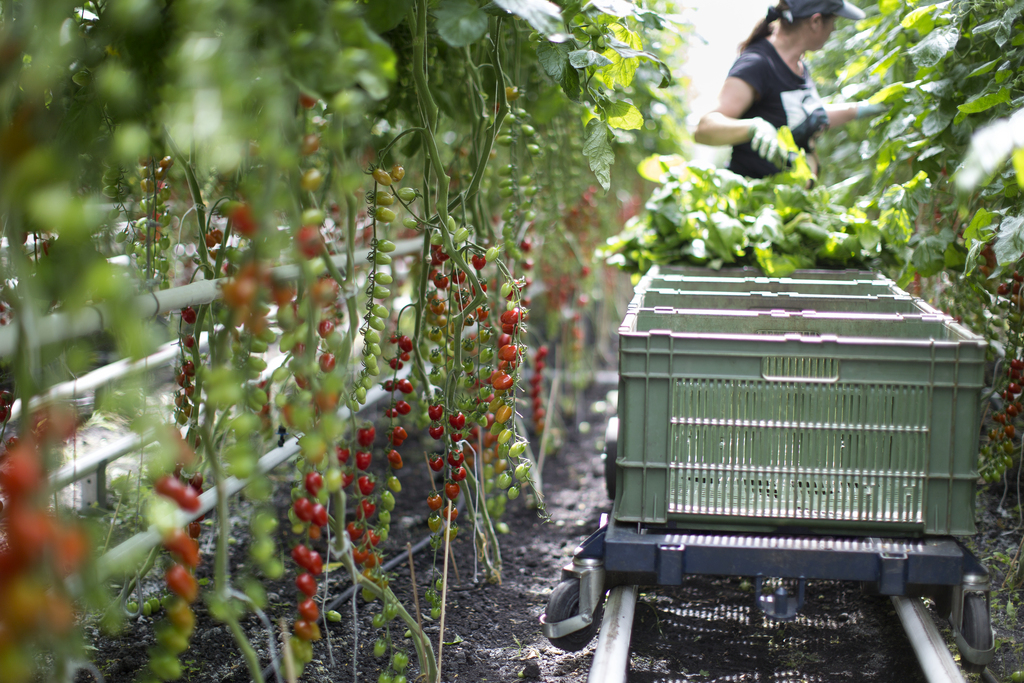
x: 892, y: 91
x: 937, y: 120
x: 929, y: 255
x: 545, y: 17
x: 384, y: 16
x: 984, y: 101
x: 599, y: 151
x: 1018, y: 164
x: 615, y: 8
x: 982, y: 219
x: 725, y: 236
x: 581, y: 59
x: 889, y: 6
x: 554, y: 58
x: 624, y: 115
x: 933, y: 48
x: 920, y: 20
x: 622, y: 69
x: 460, y: 22
x: 1009, y: 244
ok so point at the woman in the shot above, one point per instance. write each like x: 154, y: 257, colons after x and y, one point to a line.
x: 770, y: 86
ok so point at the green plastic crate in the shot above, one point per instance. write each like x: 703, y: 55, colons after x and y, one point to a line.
x: 856, y: 423
x: 787, y: 301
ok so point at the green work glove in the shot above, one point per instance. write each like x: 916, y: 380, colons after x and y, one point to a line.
x: 865, y: 110
x: 764, y: 139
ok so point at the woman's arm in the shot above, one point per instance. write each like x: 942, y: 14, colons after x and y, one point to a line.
x: 840, y: 114
x: 722, y: 125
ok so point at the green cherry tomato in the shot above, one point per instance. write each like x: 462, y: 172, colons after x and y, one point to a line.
x: 379, y: 647
x: 513, y: 493
x: 333, y: 616
x: 407, y: 194
x: 400, y: 661
x: 387, y: 500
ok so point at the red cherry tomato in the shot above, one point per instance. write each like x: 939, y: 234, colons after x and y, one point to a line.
x: 181, y: 583
x: 306, y: 583
x: 363, y: 459
x: 366, y: 485
x: 308, y: 610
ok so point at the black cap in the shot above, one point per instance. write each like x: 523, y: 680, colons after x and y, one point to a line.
x: 841, y: 8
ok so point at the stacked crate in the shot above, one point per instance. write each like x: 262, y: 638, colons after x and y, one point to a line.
x: 826, y: 401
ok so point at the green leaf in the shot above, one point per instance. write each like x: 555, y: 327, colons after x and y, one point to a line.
x: 889, y: 6
x: 982, y: 219
x: 599, y: 151
x: 1018, y: 164
x: 622, y: 69
x: 893, y: 91
x: 624, y: 116
x: 984, y: 101
x: 919, y: 20
x: 937, y: 120
x: 984, y: 68
x: 1009, y: 244
x: 545, y: 17
x: 929, y: 256
x: 581, y: 59
x: 616, y: 8
x: 725, y: 236
x: 384, y: 16
x: 932, y: 49
x: 460, y: 22
x: 554, y: 58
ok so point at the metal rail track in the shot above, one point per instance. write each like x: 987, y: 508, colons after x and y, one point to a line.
x: 611, y: 657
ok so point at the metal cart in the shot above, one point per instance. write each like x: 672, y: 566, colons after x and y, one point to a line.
x: 818, y: 426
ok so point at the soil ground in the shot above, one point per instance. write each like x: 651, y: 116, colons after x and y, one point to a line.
x: 708, y: 630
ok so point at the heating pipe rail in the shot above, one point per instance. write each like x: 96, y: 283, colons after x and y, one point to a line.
x: 108, y: 374
x: 611, y: 657
x: 59, y: 327
x: 930, y: 647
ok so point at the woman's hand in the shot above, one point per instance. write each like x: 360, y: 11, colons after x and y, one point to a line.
x: 764, y: 139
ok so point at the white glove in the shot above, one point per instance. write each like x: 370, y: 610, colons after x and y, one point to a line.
x: 871, y: 110
x: 764, y: 139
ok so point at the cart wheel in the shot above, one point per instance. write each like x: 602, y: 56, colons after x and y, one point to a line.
x: 976, y: 628
x: 611, y: 452
x: 563, y: 604
x: 943, y: 598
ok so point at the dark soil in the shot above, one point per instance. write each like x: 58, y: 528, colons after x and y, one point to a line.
x: 706, y: 630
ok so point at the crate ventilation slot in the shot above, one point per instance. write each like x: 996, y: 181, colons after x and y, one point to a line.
x: 789, y: 368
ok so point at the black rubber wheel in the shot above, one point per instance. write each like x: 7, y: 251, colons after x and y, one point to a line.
x: 976, y: 628
x: 611, y: 452
x: 564, y: 603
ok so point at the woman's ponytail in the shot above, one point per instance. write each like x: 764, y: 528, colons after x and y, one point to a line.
x: 764, y: 27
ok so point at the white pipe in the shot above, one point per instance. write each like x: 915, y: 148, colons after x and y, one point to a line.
x: 89, y: 463
x: 105, y: 375
x: 611, y: 658
x: 932, y: 652
x: 61, y: 326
